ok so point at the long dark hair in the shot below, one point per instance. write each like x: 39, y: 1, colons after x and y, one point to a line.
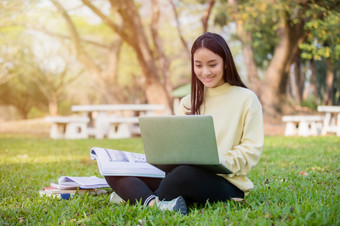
x: 218, y: 45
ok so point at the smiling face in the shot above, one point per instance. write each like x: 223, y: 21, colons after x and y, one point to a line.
x: 208, y: 67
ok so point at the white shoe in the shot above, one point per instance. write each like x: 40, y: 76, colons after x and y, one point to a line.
x: 177, y: 204
x: 114, y: 198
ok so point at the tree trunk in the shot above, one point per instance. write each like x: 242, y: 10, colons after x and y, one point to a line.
x: 206, y: 15
x: 328, y: 96
x: 110, y: 90
x: 273, y: 92
x: 163, y: 61
x: 154, y: 90
x: 180, y: 34
x: 314, y: 82
x: 254, y: 82
x: 53, y: 105
x: 299, y: 81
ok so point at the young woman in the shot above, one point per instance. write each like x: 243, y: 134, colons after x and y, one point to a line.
x: 217, y: 90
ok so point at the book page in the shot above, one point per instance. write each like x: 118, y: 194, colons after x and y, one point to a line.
x: 121, y: 163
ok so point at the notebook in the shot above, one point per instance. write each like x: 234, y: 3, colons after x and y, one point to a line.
x: 175, y: 140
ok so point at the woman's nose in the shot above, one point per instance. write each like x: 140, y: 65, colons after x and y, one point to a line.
x: 205, y: 72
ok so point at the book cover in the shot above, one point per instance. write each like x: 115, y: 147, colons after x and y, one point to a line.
x: 68, y: 194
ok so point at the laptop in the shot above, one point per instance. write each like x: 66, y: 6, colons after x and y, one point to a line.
x: 180, y: 140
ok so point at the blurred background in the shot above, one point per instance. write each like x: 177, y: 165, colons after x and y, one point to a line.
x: 57, y: 53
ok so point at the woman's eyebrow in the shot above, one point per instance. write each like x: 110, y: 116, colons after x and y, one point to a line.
x: 210, y: 61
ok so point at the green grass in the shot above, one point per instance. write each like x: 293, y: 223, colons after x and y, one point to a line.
x: 296, y: 183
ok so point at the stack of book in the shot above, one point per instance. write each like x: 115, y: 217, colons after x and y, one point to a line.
x: 68, y: 187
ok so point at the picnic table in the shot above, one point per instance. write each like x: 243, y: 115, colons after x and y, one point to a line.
x: 331, y: 123
x: 115, y: 120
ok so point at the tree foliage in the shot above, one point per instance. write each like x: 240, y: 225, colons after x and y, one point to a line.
x: 37, y: 71
x: 20, y: 91
x: 130, y: 50
x: 273, y: 35
x: 323, y: 39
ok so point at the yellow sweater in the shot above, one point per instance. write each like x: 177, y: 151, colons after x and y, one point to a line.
x: 238, y: 123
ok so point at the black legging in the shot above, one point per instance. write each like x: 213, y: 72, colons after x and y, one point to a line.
x: 195, y: 184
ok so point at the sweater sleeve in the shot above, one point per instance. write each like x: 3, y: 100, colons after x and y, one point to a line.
x: 184, y: 106
x: 246, y: 154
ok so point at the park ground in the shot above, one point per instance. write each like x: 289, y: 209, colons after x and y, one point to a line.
x: 296, y: 183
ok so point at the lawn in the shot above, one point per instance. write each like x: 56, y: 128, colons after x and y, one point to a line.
x: 296, y: 183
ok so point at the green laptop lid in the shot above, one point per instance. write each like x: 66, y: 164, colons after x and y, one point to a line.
x: 179, y: 139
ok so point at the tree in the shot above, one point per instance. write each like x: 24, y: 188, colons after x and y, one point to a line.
x: 151, y: 60
x: 206, y: 15
x: 52, y: 84
x: 4, y: 75
x: 323, y: 42
x: 106, y: 75
x: 285, y: 24
x: 24, y: 97
x: 92, y: 44
x: 20, y: 91
x: 246, y: 39
x: 34, y: 75
x: 178, y: 25
x: 41, y: 81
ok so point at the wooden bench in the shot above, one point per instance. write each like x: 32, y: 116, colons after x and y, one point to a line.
x: 122, y: 127
x: 303, y: 125
x: 68, y: 127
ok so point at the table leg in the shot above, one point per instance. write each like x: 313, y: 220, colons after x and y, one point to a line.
x: 290, y: 129
x: 338, y: 125
x: 326, y: 123
x: 102, y: 127
x: 57, y: 130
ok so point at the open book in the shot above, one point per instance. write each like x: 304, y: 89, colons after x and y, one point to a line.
x: 66, y: 182
x: 121, y: 163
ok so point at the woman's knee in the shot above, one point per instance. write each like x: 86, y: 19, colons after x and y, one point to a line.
x: 118, y: 182
x: 111, y: 180
x: 184, y: 174
x: 180, y: 181
x: 189, y: 170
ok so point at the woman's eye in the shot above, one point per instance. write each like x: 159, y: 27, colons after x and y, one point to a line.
x: 213, y: 65
x: 198, y: 66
